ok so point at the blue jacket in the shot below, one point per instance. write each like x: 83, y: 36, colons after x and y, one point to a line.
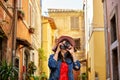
x: 55, y: 68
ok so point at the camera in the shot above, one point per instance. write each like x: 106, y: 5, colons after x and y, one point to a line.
x: 65, y: 45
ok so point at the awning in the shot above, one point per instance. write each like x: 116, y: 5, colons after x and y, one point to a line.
x: 25, y: 43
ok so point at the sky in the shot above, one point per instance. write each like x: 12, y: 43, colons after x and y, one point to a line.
x: 61, y: 4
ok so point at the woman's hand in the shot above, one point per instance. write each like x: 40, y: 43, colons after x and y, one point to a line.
x: 71, y: 50
x: 58, y: 48
x: 57, y: 52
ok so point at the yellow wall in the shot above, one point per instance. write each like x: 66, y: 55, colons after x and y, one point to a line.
x: 98, y: 13
x: 96, y: 53
x: 47, y: 34
x: 99, y: 55
x: 91, y: 58
x: 45, y: 46
x: 96, y: 56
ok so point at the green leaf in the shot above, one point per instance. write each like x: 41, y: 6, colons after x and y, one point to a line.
x: 8, y: 71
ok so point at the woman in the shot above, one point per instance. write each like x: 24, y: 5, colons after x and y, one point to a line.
x: 63, y: 61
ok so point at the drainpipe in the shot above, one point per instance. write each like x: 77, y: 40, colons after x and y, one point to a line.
x: 14, y: 31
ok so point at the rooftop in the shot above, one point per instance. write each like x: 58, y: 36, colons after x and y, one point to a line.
x: 63, y: 10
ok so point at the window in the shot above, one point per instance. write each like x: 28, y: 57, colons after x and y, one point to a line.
x: 77, y: 43
x: 19, y: 4
x: 31, y: 16
x: 17, y: 65
x: 26, y: 58
x: 33, y: 57
x: 74, y: 22
x: 113, y: 29
x: 3, y: 45
x: 115, y: 64
x: 114, y: 44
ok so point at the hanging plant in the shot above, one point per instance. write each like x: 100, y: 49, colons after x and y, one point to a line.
x: 1, y: 36
x: 20, y: 14
x: 5, y: 0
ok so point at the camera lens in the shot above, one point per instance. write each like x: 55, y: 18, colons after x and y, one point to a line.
x: 67, y: 44
x: 62, y: 47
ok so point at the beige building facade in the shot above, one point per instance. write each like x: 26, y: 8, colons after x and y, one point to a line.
x: 35, y: 23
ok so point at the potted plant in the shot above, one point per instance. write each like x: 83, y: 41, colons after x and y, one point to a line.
x: 84, y: 76
x: 30, y: 70
x: 31, y: 30
x: 43, y: 76
x: 20, y: 14
x: 8, y: 71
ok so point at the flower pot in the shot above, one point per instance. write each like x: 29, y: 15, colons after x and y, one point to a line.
x: 31, y: 30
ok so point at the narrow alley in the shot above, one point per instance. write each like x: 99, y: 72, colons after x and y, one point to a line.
x: 30, y: 30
